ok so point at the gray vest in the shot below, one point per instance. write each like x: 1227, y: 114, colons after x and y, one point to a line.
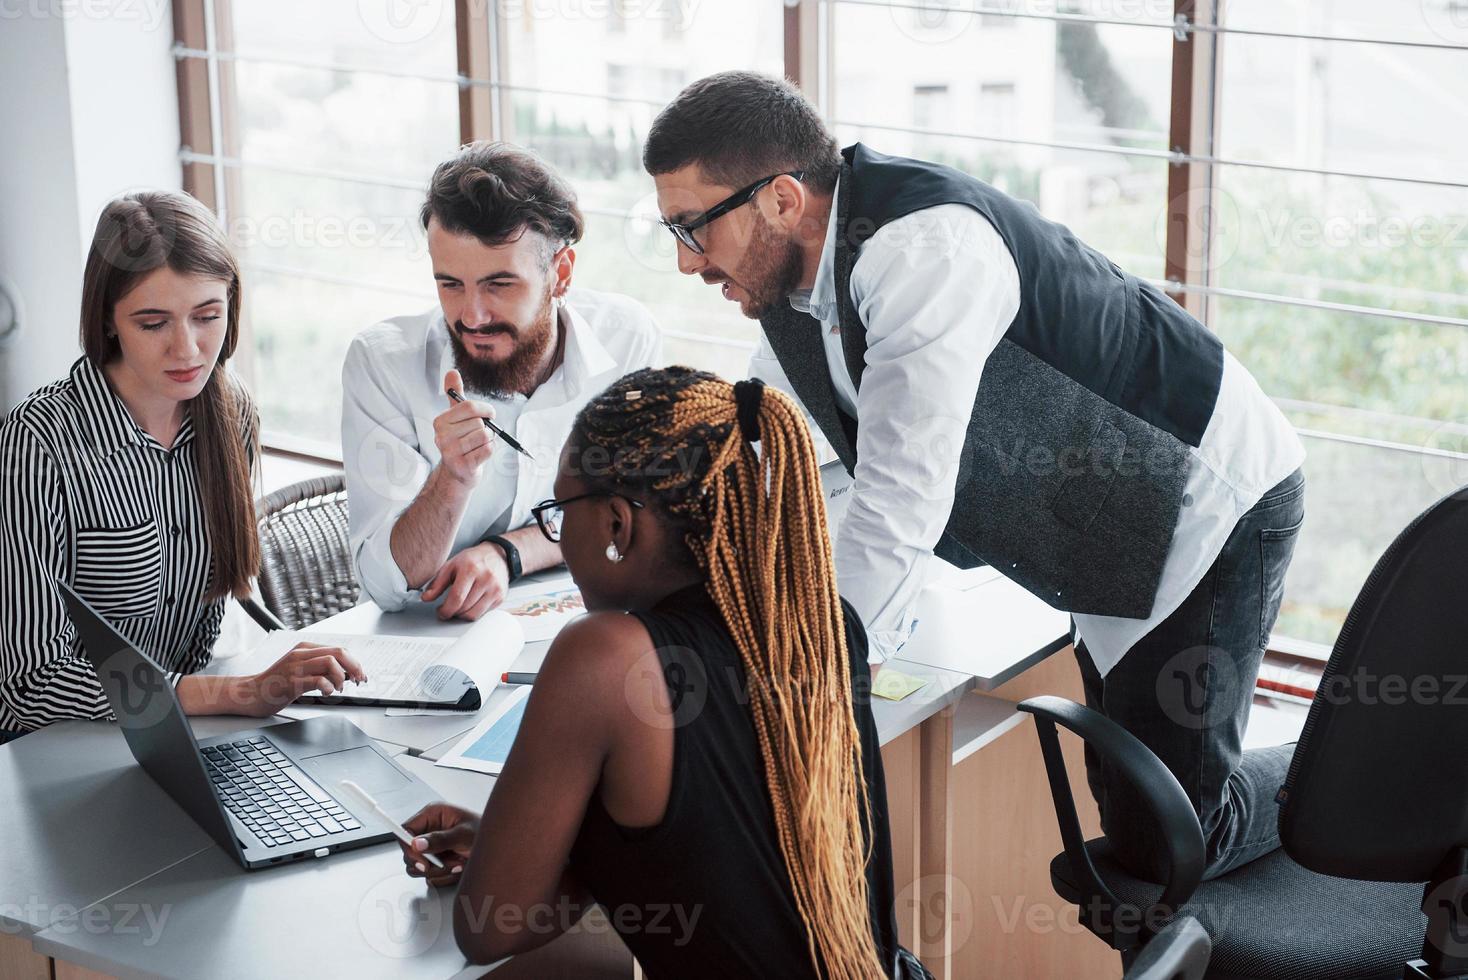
x: 1071, y: 475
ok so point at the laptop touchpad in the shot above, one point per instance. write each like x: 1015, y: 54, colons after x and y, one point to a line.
x: 362, y: 765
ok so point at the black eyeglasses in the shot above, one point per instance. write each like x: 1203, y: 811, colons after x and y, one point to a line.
x: 683, y: 230
x: 549, y: 514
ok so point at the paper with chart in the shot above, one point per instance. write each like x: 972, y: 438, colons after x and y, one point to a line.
x: 413, y: 670
x: 486, y: 748
x: 543, y: 608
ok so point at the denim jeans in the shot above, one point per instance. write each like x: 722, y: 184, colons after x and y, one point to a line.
x: 1185, y: 690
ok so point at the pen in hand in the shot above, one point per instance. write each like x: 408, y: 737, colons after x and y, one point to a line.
x: 364, y: 798
x: 509, y: 439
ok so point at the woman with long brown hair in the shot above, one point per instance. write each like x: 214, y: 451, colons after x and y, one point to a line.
x: 707, y: 767
x: 130, y: 480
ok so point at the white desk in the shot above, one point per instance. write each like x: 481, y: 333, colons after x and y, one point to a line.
x: 103, y: 842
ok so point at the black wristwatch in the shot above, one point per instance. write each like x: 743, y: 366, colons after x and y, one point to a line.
x: 512, y: 554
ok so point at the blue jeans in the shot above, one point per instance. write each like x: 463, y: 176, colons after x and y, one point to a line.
x: 1185, y: 690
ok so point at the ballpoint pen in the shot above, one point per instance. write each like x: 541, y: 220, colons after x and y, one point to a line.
x: 509, y: 439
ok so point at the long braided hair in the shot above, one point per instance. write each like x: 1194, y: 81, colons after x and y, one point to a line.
x: 755, y: 524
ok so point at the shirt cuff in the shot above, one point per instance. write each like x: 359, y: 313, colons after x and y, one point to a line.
x: 883, y: 645
x: 380, y: 575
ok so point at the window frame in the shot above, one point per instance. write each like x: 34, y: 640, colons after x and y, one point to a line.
x: 208, y: 127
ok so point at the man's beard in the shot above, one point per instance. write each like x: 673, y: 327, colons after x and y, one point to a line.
x: 769, y: 273
x: 521, y: 371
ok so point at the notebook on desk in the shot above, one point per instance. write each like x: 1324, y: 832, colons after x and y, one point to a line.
x: 412, y: 671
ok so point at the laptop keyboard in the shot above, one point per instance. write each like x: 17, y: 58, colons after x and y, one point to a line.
x: 271, y: 795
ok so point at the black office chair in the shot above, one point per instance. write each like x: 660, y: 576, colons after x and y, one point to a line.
x: 1179, y: 952
x: 1372, y: 807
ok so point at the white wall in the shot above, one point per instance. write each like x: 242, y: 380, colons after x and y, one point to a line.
x: 90, y: 111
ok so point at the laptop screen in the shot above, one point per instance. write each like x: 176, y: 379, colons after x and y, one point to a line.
x: 151, y: 719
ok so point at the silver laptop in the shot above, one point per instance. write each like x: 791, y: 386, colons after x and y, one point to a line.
x: 262, y: 794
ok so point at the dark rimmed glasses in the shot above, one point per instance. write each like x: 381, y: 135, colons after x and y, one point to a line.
x: 550, y: 514
x: 683, y: 230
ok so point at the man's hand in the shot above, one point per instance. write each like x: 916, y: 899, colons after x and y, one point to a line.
x: 472, y: 582
x: 447, y: 832
x: 464, y: 442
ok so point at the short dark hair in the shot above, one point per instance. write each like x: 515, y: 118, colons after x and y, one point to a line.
x: 496, y: 191
x: 740, y: 127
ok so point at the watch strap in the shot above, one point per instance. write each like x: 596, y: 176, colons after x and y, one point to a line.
x: 512, y: 554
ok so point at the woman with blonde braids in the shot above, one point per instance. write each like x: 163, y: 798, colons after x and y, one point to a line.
x: 698, y: 755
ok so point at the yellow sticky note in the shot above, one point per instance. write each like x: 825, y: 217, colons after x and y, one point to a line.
x: 895, y: 685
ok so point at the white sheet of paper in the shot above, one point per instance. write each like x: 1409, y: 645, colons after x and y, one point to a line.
x: 417, y: 668
x: 543, y: 608
x: 486, y: 747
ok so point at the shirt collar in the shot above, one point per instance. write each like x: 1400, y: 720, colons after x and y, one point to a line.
x: 820, y: 300
x: 585, y: 357
x: 107, y: 418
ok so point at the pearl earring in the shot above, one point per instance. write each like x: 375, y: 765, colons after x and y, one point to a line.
x: 613, y: 555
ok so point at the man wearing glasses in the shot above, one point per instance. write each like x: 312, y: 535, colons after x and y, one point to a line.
x: 440, y: 500
x: 1003, y: 394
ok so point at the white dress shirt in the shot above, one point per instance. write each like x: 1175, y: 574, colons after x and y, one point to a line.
x: 392, y: 386
x: 936, y: 291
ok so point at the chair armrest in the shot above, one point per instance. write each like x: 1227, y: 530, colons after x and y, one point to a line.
x: 1179, y: 952
x: 261, y: 615
x: 1177, y: 823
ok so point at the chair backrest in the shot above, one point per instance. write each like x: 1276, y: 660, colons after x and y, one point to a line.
x: 1376, y: 790
x: 1179, y: 952
x: 306, y: 569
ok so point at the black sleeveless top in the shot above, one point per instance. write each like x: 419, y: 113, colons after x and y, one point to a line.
x: 705, y: 892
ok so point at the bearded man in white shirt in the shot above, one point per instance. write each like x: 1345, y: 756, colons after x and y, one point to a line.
x: 440, y: 508
x: 1003, y: 394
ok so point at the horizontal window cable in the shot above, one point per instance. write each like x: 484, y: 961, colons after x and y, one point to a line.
x: 186, y: 155
x: 181, y: 53
x: 748, y: 346
x: 1381, y: 444
x: 999, y: 10
x: 1111, y: 148
x: 1385, y: 290
x: 296, y: 272
x: 1180, y: 26
x: 1174, y: 286
x: 294, y: 445
x: 1375, y: 415
x: 1183, y: 26
x: 1175, y: 157
x: 462, y: 81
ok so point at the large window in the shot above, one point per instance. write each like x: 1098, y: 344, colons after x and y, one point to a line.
x: 331, y: 116
x: 1334, y: 257
x: 1293, y: 173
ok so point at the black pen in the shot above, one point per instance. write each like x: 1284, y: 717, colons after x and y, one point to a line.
x: 509, y: 439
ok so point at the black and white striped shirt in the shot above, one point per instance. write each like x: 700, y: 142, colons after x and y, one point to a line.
x: 87, y: 497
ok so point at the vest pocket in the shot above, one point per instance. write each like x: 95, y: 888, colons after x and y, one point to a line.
x: 119, y: 570
x: 1088, y: 476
